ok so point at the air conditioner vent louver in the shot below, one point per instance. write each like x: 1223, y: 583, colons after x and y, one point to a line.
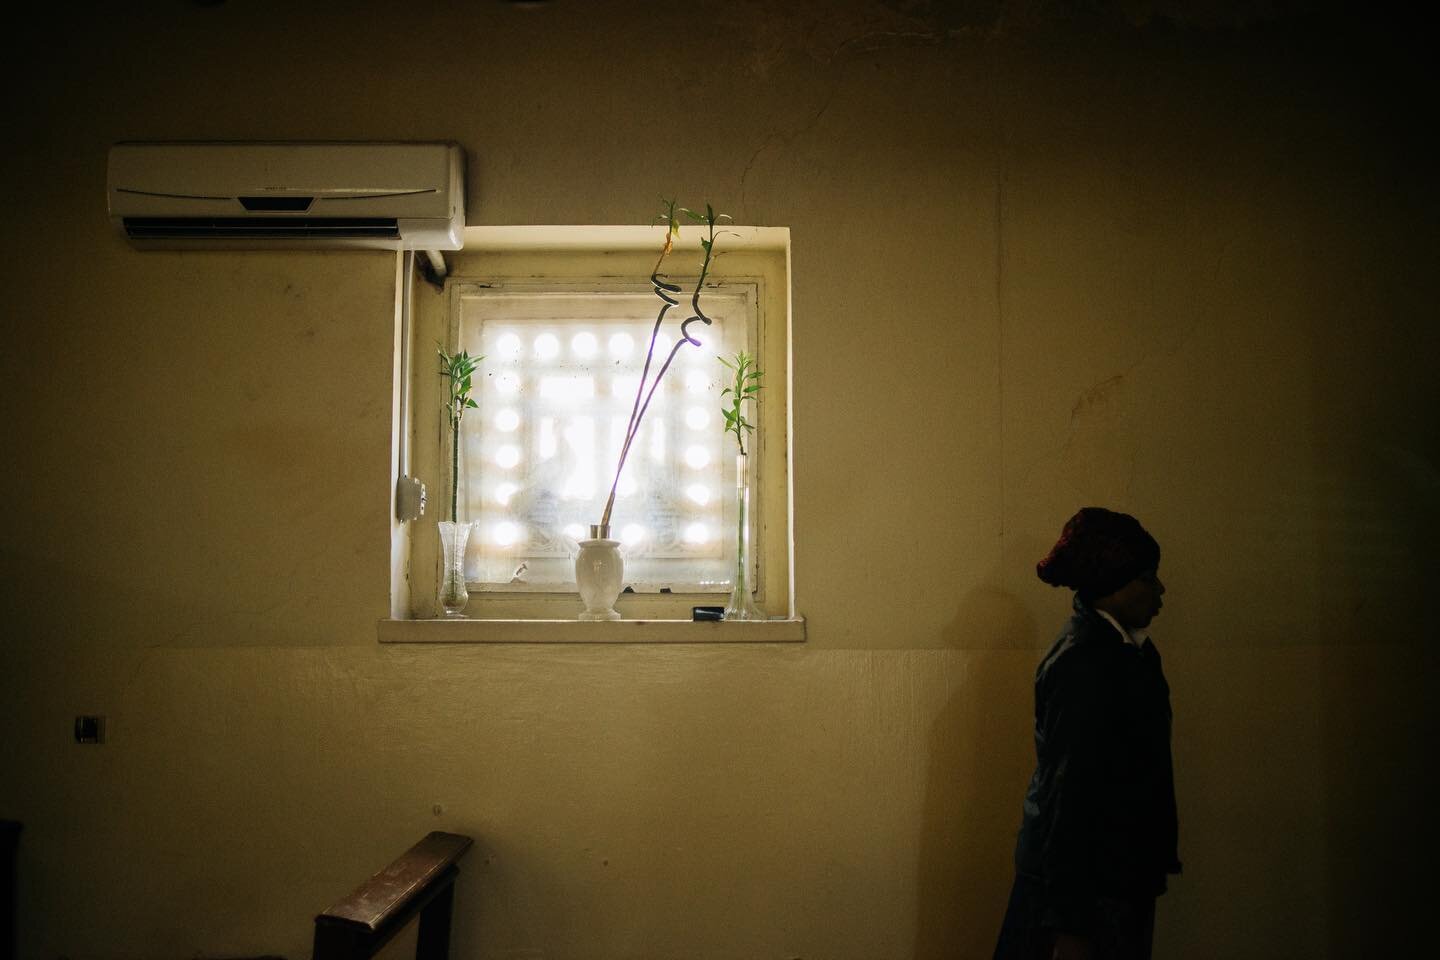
x: 259, y: 228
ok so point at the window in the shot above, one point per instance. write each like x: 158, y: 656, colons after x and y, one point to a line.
x: 557, y: 387
x: 564, y: 333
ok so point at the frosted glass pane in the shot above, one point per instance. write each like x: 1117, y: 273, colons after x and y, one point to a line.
x: 556, y: 391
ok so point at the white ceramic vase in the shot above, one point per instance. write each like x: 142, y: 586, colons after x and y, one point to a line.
x: 599, y: 574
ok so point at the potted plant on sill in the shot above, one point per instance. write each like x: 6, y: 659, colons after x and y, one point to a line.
x: 599, y: 567
x: 459, y: 369
x: 745, y: 386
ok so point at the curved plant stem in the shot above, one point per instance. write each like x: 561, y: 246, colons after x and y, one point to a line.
x: 454, y: 469
x: 637, y: 412
x: 663, y: 290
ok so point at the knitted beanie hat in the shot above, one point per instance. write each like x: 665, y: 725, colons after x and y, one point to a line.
x: 1098, y: 552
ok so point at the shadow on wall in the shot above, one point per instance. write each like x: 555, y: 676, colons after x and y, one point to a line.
x: 980, y: 759
x: 1377, y: 526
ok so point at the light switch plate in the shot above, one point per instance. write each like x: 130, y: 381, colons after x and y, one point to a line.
x: 409, y: 499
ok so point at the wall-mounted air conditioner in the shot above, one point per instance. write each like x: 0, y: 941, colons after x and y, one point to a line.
x: 407, y: 196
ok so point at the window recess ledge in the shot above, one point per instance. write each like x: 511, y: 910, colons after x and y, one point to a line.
x: 605, y: 631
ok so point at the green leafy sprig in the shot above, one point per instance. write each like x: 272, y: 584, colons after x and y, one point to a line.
x: 459, y: 369
x: 710, y: 218
x: 745, y: 386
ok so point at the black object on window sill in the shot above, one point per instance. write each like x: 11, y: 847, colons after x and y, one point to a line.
x: 707, y: 613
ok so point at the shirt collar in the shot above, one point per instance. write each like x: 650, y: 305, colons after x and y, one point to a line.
x: 1136, y: 637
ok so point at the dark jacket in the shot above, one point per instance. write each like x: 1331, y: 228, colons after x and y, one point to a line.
x: 1100, y: 811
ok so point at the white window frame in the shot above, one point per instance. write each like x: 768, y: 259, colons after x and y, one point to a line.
x: 606, y: 256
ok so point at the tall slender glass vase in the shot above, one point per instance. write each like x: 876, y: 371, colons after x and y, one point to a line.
x: 741, y: 605
x: 453, y: 595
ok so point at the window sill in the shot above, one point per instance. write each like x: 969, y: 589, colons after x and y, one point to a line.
x: 577, y: 631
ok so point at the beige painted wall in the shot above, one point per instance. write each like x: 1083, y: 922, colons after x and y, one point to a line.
x: 1041, y: 259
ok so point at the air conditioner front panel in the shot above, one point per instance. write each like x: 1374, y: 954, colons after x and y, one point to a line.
x: 245, y: 191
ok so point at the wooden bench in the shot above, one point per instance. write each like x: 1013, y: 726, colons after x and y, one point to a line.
x: 420, y: 882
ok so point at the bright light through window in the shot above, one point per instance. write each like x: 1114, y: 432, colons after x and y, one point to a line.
x: 621, y: 344
x: 508, y: 347
x: 583, y: 344
x: 545, y: 444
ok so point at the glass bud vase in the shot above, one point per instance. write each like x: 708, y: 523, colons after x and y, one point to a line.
x: 453, y: 539
x: 741, y: 605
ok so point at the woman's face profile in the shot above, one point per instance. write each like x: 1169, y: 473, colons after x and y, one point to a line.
x: 1136, y: 603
